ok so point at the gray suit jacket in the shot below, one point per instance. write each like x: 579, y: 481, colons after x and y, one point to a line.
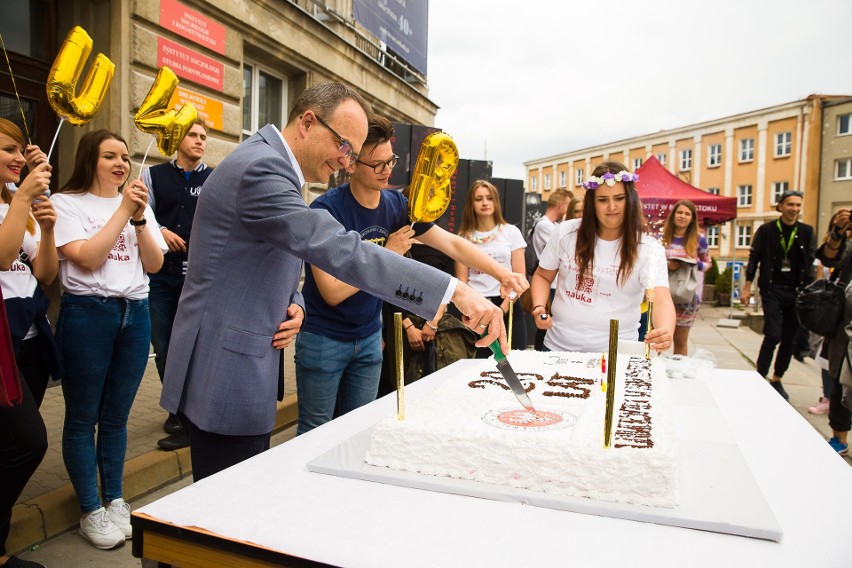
x: 252, y: 230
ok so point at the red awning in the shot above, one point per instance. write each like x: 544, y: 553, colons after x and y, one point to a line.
x: 659, y: 190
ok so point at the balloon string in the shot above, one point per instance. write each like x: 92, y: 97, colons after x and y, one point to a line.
x: 55, y: 136
x: 145, y: 157
x: 15, y: 88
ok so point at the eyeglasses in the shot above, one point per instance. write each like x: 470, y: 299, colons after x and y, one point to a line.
x: 345, y: 145
x: 380, y: 167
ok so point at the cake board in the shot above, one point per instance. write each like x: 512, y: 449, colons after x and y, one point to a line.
x: 717, y: 490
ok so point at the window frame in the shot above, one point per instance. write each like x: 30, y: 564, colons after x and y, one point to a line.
x: 778, y: 188
x: 257, y: 69
x: 578, y: 176
x: 563, y: 178
x: 748, y: 193
x: 743, y: 237
x: 848, y: 131
x: 783, y: 148
x: 746, y: 150
x: 714, y: 158
x: 711, y: 235
x: 848, y: 175
x: 686, y: 160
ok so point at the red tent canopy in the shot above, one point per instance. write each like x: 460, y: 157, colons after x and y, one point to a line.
x: 659, y: 190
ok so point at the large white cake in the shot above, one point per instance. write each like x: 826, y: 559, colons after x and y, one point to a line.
x: 472, y: 427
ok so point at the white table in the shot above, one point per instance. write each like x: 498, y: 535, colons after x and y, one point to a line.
x: 274, y: 503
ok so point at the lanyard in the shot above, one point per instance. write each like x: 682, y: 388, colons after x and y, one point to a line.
x: 786, y: 246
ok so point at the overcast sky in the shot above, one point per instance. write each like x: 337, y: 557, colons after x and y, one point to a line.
x: 525, y: 80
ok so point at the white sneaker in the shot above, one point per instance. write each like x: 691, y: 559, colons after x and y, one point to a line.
x: 119, y: 514
x: 99, y: 530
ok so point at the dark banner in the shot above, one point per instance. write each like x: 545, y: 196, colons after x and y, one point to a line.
x: 406, y: 145
x: 533, y: 210
x: 512, y: 200
x: 401, y: 24
x: 467, y: 172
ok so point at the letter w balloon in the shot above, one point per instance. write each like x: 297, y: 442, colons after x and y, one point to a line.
x: 155, y: 117
x: 430, y: 183
x: 66, y: 70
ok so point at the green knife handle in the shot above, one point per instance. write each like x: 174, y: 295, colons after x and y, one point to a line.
x: 498, y: 353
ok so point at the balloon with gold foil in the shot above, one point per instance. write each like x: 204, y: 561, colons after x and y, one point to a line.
x: 78, y: 108
x: 155, y: 117
x: 430, y: 183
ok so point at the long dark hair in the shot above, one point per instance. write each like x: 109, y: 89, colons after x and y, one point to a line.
x: 631, y: 229
x: 690, y: 238
x: 468, y: 222
x: 86, y: 161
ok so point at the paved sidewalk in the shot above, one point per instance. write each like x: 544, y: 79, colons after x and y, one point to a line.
x: 48, y: 506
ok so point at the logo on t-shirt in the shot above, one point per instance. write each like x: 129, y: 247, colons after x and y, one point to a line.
x: 120, y: 251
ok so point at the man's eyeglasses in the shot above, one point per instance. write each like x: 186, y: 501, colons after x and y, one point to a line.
x: 380, y: 167
x: 345, y: 145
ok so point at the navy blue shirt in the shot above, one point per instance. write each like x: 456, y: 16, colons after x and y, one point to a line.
x: 356, y: 317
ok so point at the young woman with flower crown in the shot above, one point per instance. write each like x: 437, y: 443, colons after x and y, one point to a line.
x: 483, y: 224
x: 108, y: 240
x: 605, y: 262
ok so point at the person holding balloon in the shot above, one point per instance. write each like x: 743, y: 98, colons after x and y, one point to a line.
x: 27, y: 258
x: 483, y: 225
x: 108, y: 239
x: 339, y: 349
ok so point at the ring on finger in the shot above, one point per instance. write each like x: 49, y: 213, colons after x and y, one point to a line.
x: 483, y: 325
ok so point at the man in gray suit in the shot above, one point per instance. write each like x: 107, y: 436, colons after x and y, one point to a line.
x: 240, y: 306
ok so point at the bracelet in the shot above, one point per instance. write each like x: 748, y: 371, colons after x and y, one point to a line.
x: 405, y: 327
x: 432, y: 327
x: 141, y: 222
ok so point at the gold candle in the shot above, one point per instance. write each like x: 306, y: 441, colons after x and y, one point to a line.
x: 400, y: 373
x: 649, y: 326
x: 509, y: 331
x: 610, y: 379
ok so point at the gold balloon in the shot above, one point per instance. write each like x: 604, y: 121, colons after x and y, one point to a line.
x: 430, y: 183
x: 62, y: 80
x: 155, y: 117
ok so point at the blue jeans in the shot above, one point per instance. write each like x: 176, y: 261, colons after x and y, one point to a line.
x: 163, y: 297
x: 334, y: 377
x: 104, y: 342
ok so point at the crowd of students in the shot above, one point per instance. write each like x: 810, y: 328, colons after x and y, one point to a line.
x: 101, y: 237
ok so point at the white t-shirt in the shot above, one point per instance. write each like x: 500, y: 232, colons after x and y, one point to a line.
x: 581, y: 317
x: 79, y: 217
x: 18, y: 281
x: 544, y: 229
x: 497, y: 243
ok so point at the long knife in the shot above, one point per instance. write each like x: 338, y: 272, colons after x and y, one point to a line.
x: 511, y: 378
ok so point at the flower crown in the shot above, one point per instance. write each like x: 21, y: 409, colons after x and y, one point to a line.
x: 609, y: 179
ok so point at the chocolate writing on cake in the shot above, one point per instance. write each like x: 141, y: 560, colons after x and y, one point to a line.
x: 634, y: 415
x: 558, y: 385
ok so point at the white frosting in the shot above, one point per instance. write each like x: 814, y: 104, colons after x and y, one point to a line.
x: 444, y: 434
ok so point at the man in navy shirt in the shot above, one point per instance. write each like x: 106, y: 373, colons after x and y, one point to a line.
x: 173, y: 190
x: 339, y: 349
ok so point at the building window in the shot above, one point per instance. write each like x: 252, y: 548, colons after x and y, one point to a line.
x: 778, y: 188
x: 783, y: 144
x: 534, y: 183
x: 714, y: 155
x: 747, y: 150
x: 685, y: 160
x: 843, y: 169
x: 844, y: 124
x: 743, y: 196
x: 743, y: 236
x: 713, y: 190
x: 637, y: 163
x: 662, y: 159
x: 546, y: 182
x: 579, y: 180
x: 563, y: 179
x: 712, y: 236
x: 263, y: 98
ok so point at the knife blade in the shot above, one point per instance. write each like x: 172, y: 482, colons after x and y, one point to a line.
x: 511, y: 378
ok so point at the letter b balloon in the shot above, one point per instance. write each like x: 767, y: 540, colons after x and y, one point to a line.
x: 431, y: 187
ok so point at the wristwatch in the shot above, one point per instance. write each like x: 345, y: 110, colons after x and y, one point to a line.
x: 141, y: 222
